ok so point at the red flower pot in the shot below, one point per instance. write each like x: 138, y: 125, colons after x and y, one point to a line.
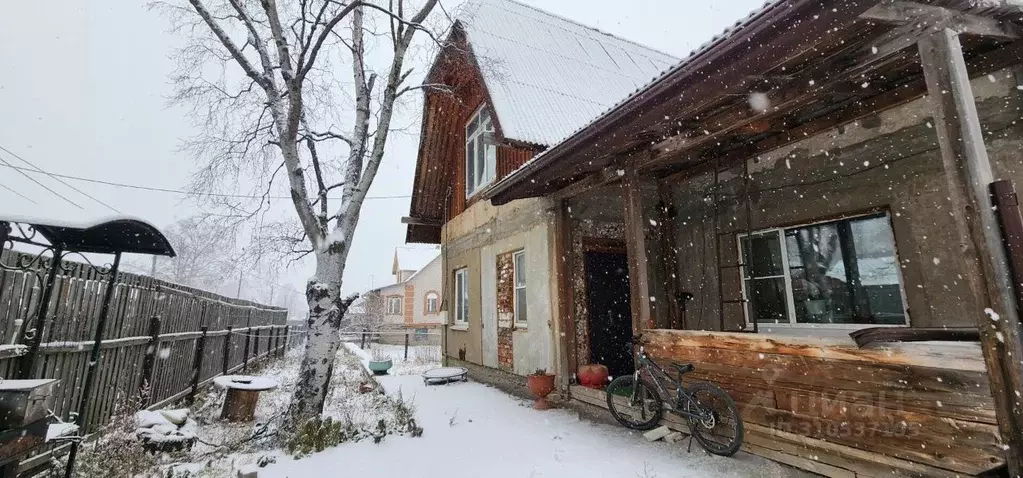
x: 592, y: 376
x: 541, y: 386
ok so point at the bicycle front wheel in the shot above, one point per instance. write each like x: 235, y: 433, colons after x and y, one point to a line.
x: 719, y: 430
x: 634, y: 404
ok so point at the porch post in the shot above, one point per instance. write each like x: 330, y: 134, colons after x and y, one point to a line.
x: 635, y: 243
x: 564, y: 336
x: 968, y: 173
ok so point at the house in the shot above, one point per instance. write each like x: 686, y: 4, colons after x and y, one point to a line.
x: 800, y: 208
x: 507, y: 97
x: 411, y: 305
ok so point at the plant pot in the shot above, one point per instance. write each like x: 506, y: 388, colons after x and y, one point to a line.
x: 380, y: 367
x: 541, y: 386
x: 592, y: 376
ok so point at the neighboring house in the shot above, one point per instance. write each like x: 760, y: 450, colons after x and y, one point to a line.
x: 509, y: 95
x: 819, y: 170
x: 412, y: 304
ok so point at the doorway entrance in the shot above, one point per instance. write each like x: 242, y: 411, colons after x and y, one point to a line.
x: 610, y: 313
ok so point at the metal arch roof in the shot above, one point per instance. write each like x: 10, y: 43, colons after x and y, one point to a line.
x: 105, y: 236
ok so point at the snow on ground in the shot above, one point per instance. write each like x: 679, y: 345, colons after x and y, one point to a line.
x: 472, y: 430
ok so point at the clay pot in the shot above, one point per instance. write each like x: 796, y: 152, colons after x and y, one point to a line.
x: 541, y: 386
x: 593, y: 376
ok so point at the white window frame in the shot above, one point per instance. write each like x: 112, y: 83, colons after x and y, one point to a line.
x: 517, y: 289
x: 461, y: 286
x: 433, y: 297
x: 395, y: 299
x: 479, y: 139
x: 789, y: 296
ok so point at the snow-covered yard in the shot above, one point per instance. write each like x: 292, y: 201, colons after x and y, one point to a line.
x: 468, y: 430
x: 472, y: 430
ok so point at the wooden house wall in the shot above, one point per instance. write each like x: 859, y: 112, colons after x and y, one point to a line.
x: 910, y: 410
x: 890, y: 162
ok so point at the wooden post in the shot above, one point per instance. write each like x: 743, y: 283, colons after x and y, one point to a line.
x: 149, y: 360
x: 255, y: 346
x: 200, y: 351
x: 245, y: 351
x: 227, y: 351
x: 669, y: 255
x: 561, y: 246
x: 287, y: 339
x: 362, y: 344
x: 406, y: 346
x: 635, y: 243
x: 968, y: 173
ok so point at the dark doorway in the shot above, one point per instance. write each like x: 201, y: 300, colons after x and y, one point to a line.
x: 610, y: 314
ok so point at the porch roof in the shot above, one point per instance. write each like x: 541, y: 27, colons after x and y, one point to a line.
x: 101, y: 236
x: 791, y: 70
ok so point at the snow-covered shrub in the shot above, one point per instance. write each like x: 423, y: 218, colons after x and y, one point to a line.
x: 319, y: 434
x: 117, y: 451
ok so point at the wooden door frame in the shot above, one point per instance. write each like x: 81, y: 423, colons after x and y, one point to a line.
x: 603, y: 245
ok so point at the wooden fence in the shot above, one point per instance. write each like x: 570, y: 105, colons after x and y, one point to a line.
x: 171, y: 337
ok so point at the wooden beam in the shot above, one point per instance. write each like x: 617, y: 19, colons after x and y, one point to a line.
x: 669, y: 254
x: 968, y: 174
x: 808, y: 87
x: 902, y: 13
x: 561, y: 245
x: 420, y: 221
x: 635, y: 243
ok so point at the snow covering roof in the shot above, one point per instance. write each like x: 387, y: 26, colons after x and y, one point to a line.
x: 407, y: 258
x: 547, y: 75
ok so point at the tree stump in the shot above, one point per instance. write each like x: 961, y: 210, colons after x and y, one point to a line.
x: 240, y: 405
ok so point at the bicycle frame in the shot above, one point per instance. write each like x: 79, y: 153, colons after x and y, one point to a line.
x: 645, y: 363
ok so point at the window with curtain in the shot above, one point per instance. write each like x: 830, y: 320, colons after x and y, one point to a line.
x: 519, y: 259
x: 462, y: 296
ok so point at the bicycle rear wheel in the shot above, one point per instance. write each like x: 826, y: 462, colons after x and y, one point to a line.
x: 721, y: 430
x: 635, y: 405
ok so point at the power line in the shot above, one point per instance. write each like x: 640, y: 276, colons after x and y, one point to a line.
x: 18, y: 194
x: 169, y: 190
x: 55, y: 193
x: 38, y: 169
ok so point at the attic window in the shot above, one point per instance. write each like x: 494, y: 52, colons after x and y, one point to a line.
x: 480, y: 152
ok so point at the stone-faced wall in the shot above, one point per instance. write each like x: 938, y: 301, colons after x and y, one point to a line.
x: 505, y: 311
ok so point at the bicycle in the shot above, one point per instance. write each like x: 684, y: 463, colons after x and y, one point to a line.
x: 637, y: 404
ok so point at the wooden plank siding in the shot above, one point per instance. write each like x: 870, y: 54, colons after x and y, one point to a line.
x: 925, y: 409
x: 439, y: 190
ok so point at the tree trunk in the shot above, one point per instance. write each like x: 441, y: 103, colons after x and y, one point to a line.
x: 326, y: 309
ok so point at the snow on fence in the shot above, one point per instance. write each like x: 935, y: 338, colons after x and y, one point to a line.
x: 171, y: 337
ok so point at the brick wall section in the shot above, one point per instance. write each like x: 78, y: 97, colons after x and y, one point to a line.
x: 505, y: 311
x: 409, y: 302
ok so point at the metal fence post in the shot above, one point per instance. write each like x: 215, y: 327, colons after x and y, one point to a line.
x: 362, y: 344
x: 149, y: 361
x: 227, y: 350
x: 406, y: 346
x: 200, y: 351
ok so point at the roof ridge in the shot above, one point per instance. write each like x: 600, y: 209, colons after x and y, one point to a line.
x: 582, y: 25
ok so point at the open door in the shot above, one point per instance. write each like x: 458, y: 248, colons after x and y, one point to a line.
x: 610, y: 316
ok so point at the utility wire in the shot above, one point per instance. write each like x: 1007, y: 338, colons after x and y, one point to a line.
x: 40, y: 170
x: 168, y: 190
x: 55, y: 193
x: 2, y: 185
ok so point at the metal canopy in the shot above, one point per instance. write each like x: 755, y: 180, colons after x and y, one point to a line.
x: 109, y: 236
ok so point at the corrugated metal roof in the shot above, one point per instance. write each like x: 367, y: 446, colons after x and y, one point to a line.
x: 548, y: 76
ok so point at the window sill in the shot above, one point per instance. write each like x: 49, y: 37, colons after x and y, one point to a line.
x: 520, y: 326
x: 459, y: 327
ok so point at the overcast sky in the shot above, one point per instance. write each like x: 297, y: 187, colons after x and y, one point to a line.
x: 83, y: 93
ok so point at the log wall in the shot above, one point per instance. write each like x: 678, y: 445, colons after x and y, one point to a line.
x: 903, y: 410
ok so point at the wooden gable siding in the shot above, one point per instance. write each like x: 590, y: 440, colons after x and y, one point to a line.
x: 440, y: 175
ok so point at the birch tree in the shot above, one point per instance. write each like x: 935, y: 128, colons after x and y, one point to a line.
x: 266, y: 86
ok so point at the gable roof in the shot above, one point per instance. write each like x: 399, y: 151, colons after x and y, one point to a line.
x: 413, y: 258
x: 547, y: 75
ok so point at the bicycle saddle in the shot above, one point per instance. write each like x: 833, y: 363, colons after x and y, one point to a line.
x: 683, y: 367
